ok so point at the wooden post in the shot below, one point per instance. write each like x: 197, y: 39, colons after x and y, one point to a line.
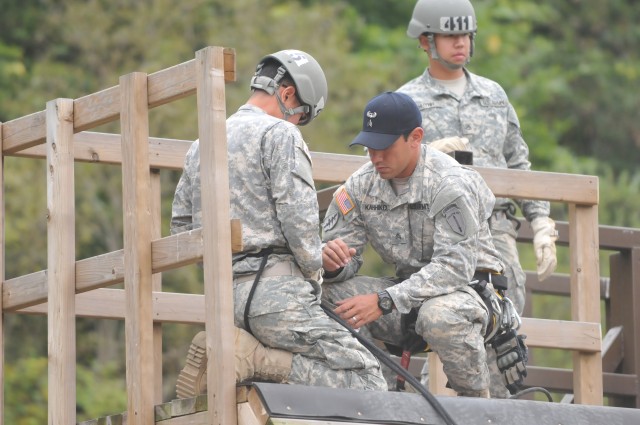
x: 2, y: 276
x: 585, y: 298
x: 136, y: 185
x: 156, y: 281
x: 216, y: 234
x: 625, y: 312
x: 437, y: 377
x: 61, y: 262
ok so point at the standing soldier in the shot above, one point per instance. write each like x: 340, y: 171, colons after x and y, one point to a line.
x: 456, y: 102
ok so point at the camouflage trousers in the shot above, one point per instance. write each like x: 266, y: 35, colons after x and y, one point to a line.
x: 285, y: 313
x: 453, y: 325
x: 504, y: 238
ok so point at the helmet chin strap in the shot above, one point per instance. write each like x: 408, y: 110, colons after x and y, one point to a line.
x: 271, y: 85
x: 289, y: 112
x: 448, y: 65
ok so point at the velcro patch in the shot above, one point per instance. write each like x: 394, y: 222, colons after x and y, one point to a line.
x: 344, y: 201
x: 454, y: 217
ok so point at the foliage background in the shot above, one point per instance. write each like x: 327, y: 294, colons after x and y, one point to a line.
x: 570, y: 69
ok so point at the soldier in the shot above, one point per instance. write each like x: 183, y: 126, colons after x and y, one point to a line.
x: 277, y: 277
x: 456, y: 102
x: 427, y: 215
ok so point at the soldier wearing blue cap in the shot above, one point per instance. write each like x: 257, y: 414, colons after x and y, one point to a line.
x: 427, y: 215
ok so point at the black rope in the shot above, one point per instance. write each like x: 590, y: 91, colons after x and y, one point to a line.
x: 533, y: 390
x: 384, y: 358
x: 265, y: 256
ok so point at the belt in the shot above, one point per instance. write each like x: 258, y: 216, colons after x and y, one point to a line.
x: 283, y: 268
x: 498, y: 280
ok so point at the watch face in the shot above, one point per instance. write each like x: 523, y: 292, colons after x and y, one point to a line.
x: 385, y: 302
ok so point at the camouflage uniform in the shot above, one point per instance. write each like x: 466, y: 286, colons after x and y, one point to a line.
x: 272, y: 193
x: 436, y: 235
x: 484, y: 116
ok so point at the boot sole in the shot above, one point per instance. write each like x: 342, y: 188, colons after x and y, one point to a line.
x: 190, y: 379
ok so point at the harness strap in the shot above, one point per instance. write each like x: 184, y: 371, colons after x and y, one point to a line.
x: 265, y: 256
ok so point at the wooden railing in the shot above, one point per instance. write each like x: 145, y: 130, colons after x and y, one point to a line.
x: 144, y: 253
x: 60, y: 135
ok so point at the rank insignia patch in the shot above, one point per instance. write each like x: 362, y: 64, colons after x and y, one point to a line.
x: 344, y: 201
x: 454, y: 217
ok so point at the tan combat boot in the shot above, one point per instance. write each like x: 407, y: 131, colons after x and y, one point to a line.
x: 254, y: 360
x: 192, y: 380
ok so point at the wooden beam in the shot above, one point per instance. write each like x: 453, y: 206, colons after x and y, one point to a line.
x: 585, y: 298
x: 104, y: 270
x: 214, y: 178
x: 104, y: 148
x: 169, y: 307
x: 156, y: 282
x: 570, y: 188
x: 2, y: 260
x: 136, y: 183
x: 61, y: 254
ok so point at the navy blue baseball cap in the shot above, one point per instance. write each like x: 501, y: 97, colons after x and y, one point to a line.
x: 386, y: 117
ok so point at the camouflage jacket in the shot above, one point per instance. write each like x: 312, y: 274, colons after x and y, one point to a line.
x: 436, y: 235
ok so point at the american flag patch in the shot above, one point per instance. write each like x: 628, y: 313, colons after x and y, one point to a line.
x: 344, y: 201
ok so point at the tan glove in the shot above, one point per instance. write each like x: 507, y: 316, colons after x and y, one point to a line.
x: 450, y: 144
x: 544, y: 244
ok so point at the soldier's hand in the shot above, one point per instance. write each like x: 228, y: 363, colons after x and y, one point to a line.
x: 544, y: 243
x: 336, y: 254
x: 359, y: 310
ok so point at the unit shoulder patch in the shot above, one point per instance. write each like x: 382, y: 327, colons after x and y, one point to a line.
x: 455, y: 219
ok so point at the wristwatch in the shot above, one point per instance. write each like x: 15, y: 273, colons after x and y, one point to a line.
x: 385, y: 302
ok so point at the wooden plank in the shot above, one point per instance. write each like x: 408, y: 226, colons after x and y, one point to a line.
x: 585, y: 298
x: 104, y: 106
x: 105, y: 303
x: 624, y: 311
x: 571, y: 188
x: 437, y: 377
x: 567, y: 335
x: 24, y: 132
x: 172, y: 307
x: 104, y: 270
x: 104, y: 148
x: 560, y: 187
x: 61, y: 262
x: 137, y: 249
x: 156, y: 281
x: 2, y: 276
x: 214, y: 174
x: 612, y: 349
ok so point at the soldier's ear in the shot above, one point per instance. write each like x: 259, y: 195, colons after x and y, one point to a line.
x: 415, y: 137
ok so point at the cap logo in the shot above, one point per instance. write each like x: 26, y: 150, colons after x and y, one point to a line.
x: 371, y: 115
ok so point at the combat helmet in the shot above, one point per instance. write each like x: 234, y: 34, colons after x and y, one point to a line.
x: 442, y: 17
x: 308, y: 77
